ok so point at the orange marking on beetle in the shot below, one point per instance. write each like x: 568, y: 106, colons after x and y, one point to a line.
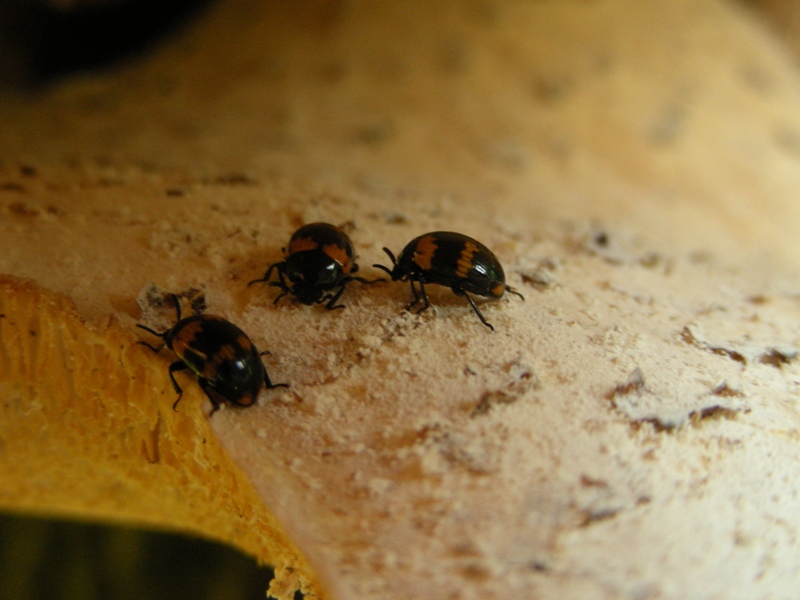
x: 244, y: 342
x: 247, y: 400
x: 226, y: 352
x: 424, y: 251
x: 186, y: 336
x: 339, y: 254
x: 498, y: 290
x: 301, y: 244
x: 464, y: 263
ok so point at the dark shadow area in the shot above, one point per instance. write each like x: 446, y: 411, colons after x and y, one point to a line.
x: 44, y: 559
x: 41, y: 41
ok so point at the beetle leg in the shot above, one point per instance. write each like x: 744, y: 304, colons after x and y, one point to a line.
x: 475, y: 308
x: 162, y: 334
x: 210, y: 394
x: 424, y: 296
x: 268, y: 274
x: 176, y: 366
x: 153, y: 348
x: 269, y: 385
x: 282, y: 280
x: 333, y: 298
x: 362, y: 280
x: 282, y: 294
x: 413, y: 291
x: 281, y: 283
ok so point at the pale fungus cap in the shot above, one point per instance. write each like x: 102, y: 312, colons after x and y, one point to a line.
x: 629, y: 430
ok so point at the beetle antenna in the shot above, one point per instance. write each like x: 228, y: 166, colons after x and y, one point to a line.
x: 389, y: 252
x: 511, y: 290
x: 394, y: 262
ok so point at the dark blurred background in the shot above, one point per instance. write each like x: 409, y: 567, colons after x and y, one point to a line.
x: 44, y: 559
x: 44, y: 40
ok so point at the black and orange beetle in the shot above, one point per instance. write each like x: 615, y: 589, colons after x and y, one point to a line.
x: 451, y: 259
x: 227, y: 364
x: 319, y: 258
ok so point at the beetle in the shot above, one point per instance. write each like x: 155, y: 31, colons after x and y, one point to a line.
x: 319, y: 259
x: 451, y: 259
x: 228, y: 366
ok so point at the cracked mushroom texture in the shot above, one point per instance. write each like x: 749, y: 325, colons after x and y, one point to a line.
x: 630, y: 430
